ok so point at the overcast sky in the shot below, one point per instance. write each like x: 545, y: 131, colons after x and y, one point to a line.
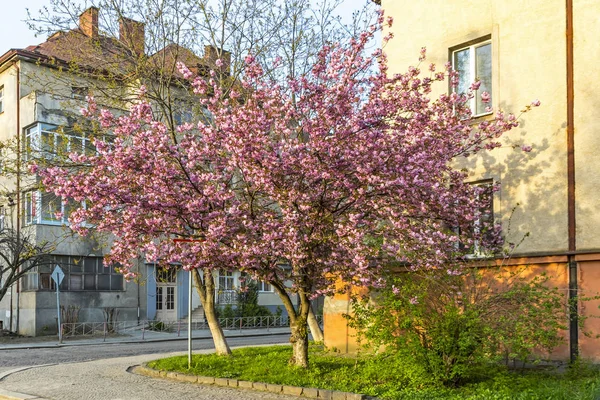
x: 14, y: 33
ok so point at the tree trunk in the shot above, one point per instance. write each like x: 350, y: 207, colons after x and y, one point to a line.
x: 206, y: 290
x: 298, y: 324
x: 315, y: 329
x: 299, y: 340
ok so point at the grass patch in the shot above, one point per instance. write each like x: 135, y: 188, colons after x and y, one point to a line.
x: 384, y: 376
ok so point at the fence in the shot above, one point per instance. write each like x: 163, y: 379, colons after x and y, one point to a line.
x: 127, y: 327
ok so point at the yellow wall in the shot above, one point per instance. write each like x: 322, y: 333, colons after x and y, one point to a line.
x: 528, y: 62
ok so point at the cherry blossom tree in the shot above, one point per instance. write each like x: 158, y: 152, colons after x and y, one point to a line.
x: 329, y: 178
x: 149, y: 192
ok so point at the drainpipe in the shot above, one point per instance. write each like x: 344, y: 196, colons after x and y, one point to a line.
x: 18, y: 183
x: 573, y: 270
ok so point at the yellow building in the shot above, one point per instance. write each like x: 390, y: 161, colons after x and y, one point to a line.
x: 522, y: 51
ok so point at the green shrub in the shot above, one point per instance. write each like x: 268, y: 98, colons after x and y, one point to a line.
x: 455, y: 326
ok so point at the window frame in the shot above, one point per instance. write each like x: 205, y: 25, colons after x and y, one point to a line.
x: 472, y: 45
x: 1, y: 99
x: 264, y: 287
x: 477, y: 252
x: 34, y: 210
x: 33, y: 143
x: 39, y: 279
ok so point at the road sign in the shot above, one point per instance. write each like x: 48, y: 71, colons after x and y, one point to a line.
x: 57, y: 275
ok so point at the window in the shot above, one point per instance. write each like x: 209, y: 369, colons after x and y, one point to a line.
x: 226, y: 280
x: 264, y: 287
x: 79, y: 92
x: 46, y: 208
x: 48, y: 141
x: 81, y: 274
x: 1, y: 99
x: 182, y: 112
x: 482, y: 228
x: 166, y: 275
x: 474, y: 62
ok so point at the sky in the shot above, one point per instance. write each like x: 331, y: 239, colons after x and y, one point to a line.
x: 14, y: 33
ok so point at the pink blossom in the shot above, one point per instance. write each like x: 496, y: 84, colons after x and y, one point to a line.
x: 526, y: 149
x: 535, y: 103
x: 485, y: 97
x: 413, y: 300
x: 475, y: 85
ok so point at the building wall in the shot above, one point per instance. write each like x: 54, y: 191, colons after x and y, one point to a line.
x: 46, y: 97
x: 529, y: 61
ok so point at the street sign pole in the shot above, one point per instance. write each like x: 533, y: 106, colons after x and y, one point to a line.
x: 190, y: 321
x: 57, y: 276
x: 189, y: 304
x: 58, y: 313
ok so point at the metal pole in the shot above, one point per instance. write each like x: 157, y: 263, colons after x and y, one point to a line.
x: 190, y: 322
x: 58, y: 312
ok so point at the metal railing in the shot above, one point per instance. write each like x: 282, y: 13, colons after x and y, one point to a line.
x: 127, y: 327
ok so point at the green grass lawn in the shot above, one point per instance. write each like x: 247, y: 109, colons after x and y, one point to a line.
x: 384, y: 376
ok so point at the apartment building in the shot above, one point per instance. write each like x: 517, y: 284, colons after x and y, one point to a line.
x: 42, y: 89
x: 522, y: 51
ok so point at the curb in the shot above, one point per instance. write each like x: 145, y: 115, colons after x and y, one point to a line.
x: 132, y: 341
x: 311, y: 393
x: 8, y: 395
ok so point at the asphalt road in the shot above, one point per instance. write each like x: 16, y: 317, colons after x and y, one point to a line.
x: 57, y: 355
x: 101, y: 372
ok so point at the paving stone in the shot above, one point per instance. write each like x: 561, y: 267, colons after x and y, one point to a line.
x: 233, y: 383
x: 325, y: 394
x: 152, y: 372
x: 259, y: 386
x: 338, y: 396
x: 245, y: 384
x: 188, y: 378
x: 273, y: 388
x: 222, y: 381
x: 293, y: 390
x: 354, y: 396
x: 310, y: 392
x: 206, y: 380
x: 172, y: 375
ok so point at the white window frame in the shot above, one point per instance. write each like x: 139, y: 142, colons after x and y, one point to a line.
x: 33, y: 210
x: 1, y: 99
x: 227, y: 276
x: 34, y: 143
x: 473, y: 72
x: 264, y: 287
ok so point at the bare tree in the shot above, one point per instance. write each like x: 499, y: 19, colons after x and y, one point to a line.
x: 19, y: 254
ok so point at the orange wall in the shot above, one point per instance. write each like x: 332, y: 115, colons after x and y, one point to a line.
x: 339, y: 336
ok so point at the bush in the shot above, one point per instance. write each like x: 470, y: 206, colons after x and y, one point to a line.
x: 455, y: 327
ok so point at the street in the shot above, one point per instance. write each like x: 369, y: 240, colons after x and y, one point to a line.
x: 100, y: 372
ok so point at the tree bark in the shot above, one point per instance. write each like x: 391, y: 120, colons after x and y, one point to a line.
x: 298, y: 324
x: 299, y: 340
x: 206, y: 290
x: 315, y: 329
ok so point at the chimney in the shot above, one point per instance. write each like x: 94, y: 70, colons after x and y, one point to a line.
x: 132, y: 34
x: 88, y: 22
x: 211, y: 55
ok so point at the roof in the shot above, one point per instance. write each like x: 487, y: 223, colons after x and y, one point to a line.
x: 103, y: 55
